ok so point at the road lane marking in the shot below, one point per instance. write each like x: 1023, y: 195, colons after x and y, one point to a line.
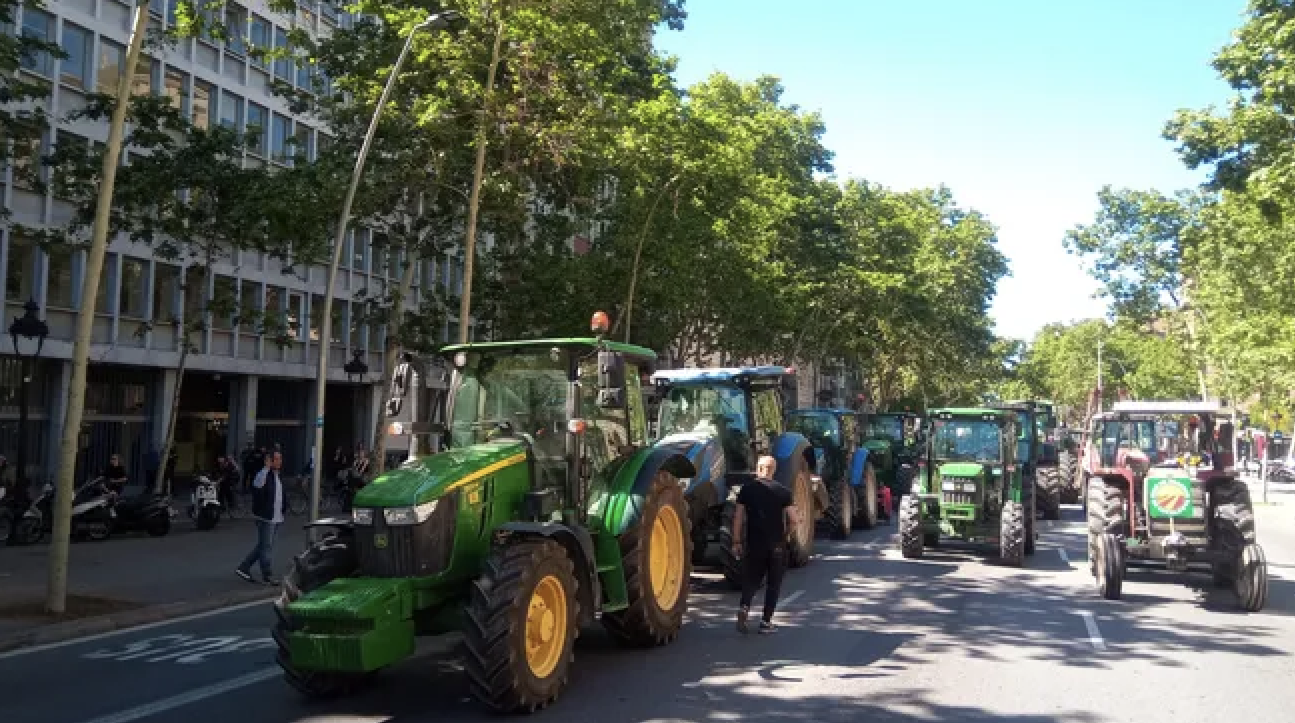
x: 1094, y: 635
x: 1064, y: 557
x: 132, y: 629
x: 193, y: 696
x: 790, y: 598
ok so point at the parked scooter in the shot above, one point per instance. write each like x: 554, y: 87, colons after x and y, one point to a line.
x: 97, y: 513
x: 204, y: 503
x: 148, y: 512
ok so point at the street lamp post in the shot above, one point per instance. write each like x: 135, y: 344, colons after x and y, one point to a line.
x: 356, y: 368
x: 437, y: 21
x: 30, y: 327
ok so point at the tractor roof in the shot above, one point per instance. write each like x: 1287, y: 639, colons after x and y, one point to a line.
x: 997, y: 414
x: 720, y: 375
x: 823, y: 410
x: 638, y: 352
x: 1170, y: 408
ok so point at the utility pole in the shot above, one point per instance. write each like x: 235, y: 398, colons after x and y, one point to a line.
x: 1099, y: 376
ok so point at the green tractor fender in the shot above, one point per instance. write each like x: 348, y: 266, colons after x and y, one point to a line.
x: 620, y: 504
x: 579, y: 545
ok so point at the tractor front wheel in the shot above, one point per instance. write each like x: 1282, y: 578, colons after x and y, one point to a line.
x: 1011, y: 541
x: 1251, y: 584
x: 1049, y: 493
x: 321, y: 563
x: 1110, y: 566
x: 910, y: 527
x: 521, y: 626
x: 840, y: 509
x: 867, y: 515
x: 802, y: 495
x: 657, y: 565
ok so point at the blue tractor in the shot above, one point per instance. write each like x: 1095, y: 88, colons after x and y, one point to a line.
x: 723, y: 420
x: 844, y: 466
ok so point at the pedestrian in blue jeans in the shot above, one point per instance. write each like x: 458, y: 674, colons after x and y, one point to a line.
x: 268, y: 504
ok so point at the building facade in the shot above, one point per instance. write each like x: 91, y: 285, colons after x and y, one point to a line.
x: 240, y: 386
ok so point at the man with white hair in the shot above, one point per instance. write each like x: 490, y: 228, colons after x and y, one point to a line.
x: 764, y: 518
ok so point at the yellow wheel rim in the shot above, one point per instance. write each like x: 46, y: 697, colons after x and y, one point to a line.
x: 665, y: 558
x: 546, y: 627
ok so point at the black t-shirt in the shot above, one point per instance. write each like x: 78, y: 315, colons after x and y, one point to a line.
x: 765, y: 523
x: 115, y: 471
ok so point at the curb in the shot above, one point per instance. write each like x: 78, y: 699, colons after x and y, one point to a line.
x: 59, y: 632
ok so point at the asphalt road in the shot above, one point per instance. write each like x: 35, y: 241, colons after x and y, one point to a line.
x: 867, y: 636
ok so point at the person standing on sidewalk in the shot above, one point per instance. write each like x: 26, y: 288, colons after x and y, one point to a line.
x: 764, y: 519
x: 268, y: 505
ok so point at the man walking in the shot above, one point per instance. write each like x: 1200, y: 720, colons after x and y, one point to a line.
x: 764, y: 519
x: 268, y: 504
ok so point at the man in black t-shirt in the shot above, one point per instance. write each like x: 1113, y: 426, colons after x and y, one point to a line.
x: 765, y: 514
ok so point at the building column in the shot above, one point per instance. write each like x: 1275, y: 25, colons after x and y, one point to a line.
x: 163, y: 399
x: 60, y: 385
x: 242, y: 413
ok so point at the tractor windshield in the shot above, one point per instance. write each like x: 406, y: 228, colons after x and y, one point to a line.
x: 820, y: 428
x: 1117, y: 435
x: 967, y: 440
x: 884, y: 427
x: 525, y: 392
x: 702, y: 409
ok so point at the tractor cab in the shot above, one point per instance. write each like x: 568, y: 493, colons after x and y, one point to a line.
x: 741, y: 407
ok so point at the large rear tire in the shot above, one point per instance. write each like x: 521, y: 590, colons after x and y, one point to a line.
x: 1067, y: 474
x: 729, y: 563
x: 1049, y: 492
x: 1011, y: 543
x: 521, y: 626
x: 1110, y: 566
x: 657, y: 560
x: 910, y: 527
x: 802, y: 495
x: 1252, y: 579
x: 867, y: 514
x: 840, y: 512
x: 325, y: 561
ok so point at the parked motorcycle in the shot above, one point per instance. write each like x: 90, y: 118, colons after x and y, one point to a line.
x: 97, y: 512
x: 204, y: 503
x: 30, y: 528
x: 148, y: 512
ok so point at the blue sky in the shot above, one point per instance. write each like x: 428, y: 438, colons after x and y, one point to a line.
x: 1024, y: 108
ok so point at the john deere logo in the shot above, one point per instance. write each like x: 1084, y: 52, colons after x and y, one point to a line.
x: 1170, y: 498
x: 380, y: 542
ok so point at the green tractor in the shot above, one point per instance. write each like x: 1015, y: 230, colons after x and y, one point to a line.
x: 547, y: 509
x: 969, y: 486
x: 1036, y: 450
x: 893, y: 449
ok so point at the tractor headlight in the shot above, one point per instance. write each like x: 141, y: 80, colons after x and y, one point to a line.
x: 949, y: 486
x: 409, y: 515
x: 362, y: 516
x: 968, y: 486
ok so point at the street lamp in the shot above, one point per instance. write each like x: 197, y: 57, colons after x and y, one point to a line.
x: 436, y: 21
x: 30, y: 326
x: 356, y: 368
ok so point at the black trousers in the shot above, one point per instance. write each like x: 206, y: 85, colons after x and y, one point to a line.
x: 759, y: 563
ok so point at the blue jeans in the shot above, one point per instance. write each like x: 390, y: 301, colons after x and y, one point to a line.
x: 264, y: 550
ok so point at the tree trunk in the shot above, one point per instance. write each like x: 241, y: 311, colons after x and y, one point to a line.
x: 378, y: 460
x: 478, y: 177
x: 60, y: 541
x: 163, y: 484
x: 638, y: 254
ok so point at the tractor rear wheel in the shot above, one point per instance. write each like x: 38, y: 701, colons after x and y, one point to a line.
x: 1011, y: 536
x: 1252, y: 579
x: 802, y: 495
x: 1066, y: 474
x: 866, y: 517
x: 1110, y: 566
x: 840, y: 514
x: 1049, y: 492
x: 521, y: 626
x: 910, y: 526
x: 728, y: 562
x: 657, y: 563
x: 321, y: 563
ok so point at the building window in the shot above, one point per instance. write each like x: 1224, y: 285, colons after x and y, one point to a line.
x: 111, y: 59
x: 173, y: 84
x: 155, y: 7
x: 322, y: 144
x: 280, y: 130
x: 60, y: 294
x: 28, y: 170
x: 231, y: 111
x: 171, y: 18
x: 259, y: 125
x: 133, y: 300
x: 203, y: 111
x: 145, y: 71
x: 225, y: 299
x: 261, y: 38
x: 282, y: 66
x: 195, y: 294
x: 103, y: 298
x: 166, y: 290
x: 75, y: 70
x: 359, y: 248
x: 236, y: 28
x: 21, y: 271
x: 293, y: 315
x: 39, y: 25
x: 305, y: 74
x: 304, y: 142
x: 249, y: 305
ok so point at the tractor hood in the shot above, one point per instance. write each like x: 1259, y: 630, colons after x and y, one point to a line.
x: 961, y: 469
x: 432, y: 477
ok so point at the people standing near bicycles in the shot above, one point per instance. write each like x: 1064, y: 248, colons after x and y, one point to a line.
x: 230, y: 477
x: 269, y: 503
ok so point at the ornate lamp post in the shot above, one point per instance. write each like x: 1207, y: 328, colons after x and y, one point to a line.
x: 28, y: 327
x: 356, y: 368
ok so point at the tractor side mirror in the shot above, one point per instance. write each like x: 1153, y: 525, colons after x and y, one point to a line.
x: 611, y: 379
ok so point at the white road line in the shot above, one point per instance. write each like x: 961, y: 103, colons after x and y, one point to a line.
x: 193, y: 696
x: 790, y: 598
x: 1094, y: 635
x: 1064, y: 557
x: 133, y: 629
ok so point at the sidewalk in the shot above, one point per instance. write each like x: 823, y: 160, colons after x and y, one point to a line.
x: 1279, y: 493
x: 135, y: 579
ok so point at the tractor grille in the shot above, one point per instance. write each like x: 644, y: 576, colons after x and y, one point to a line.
x: 961, y: 497
x: 408, y: 550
